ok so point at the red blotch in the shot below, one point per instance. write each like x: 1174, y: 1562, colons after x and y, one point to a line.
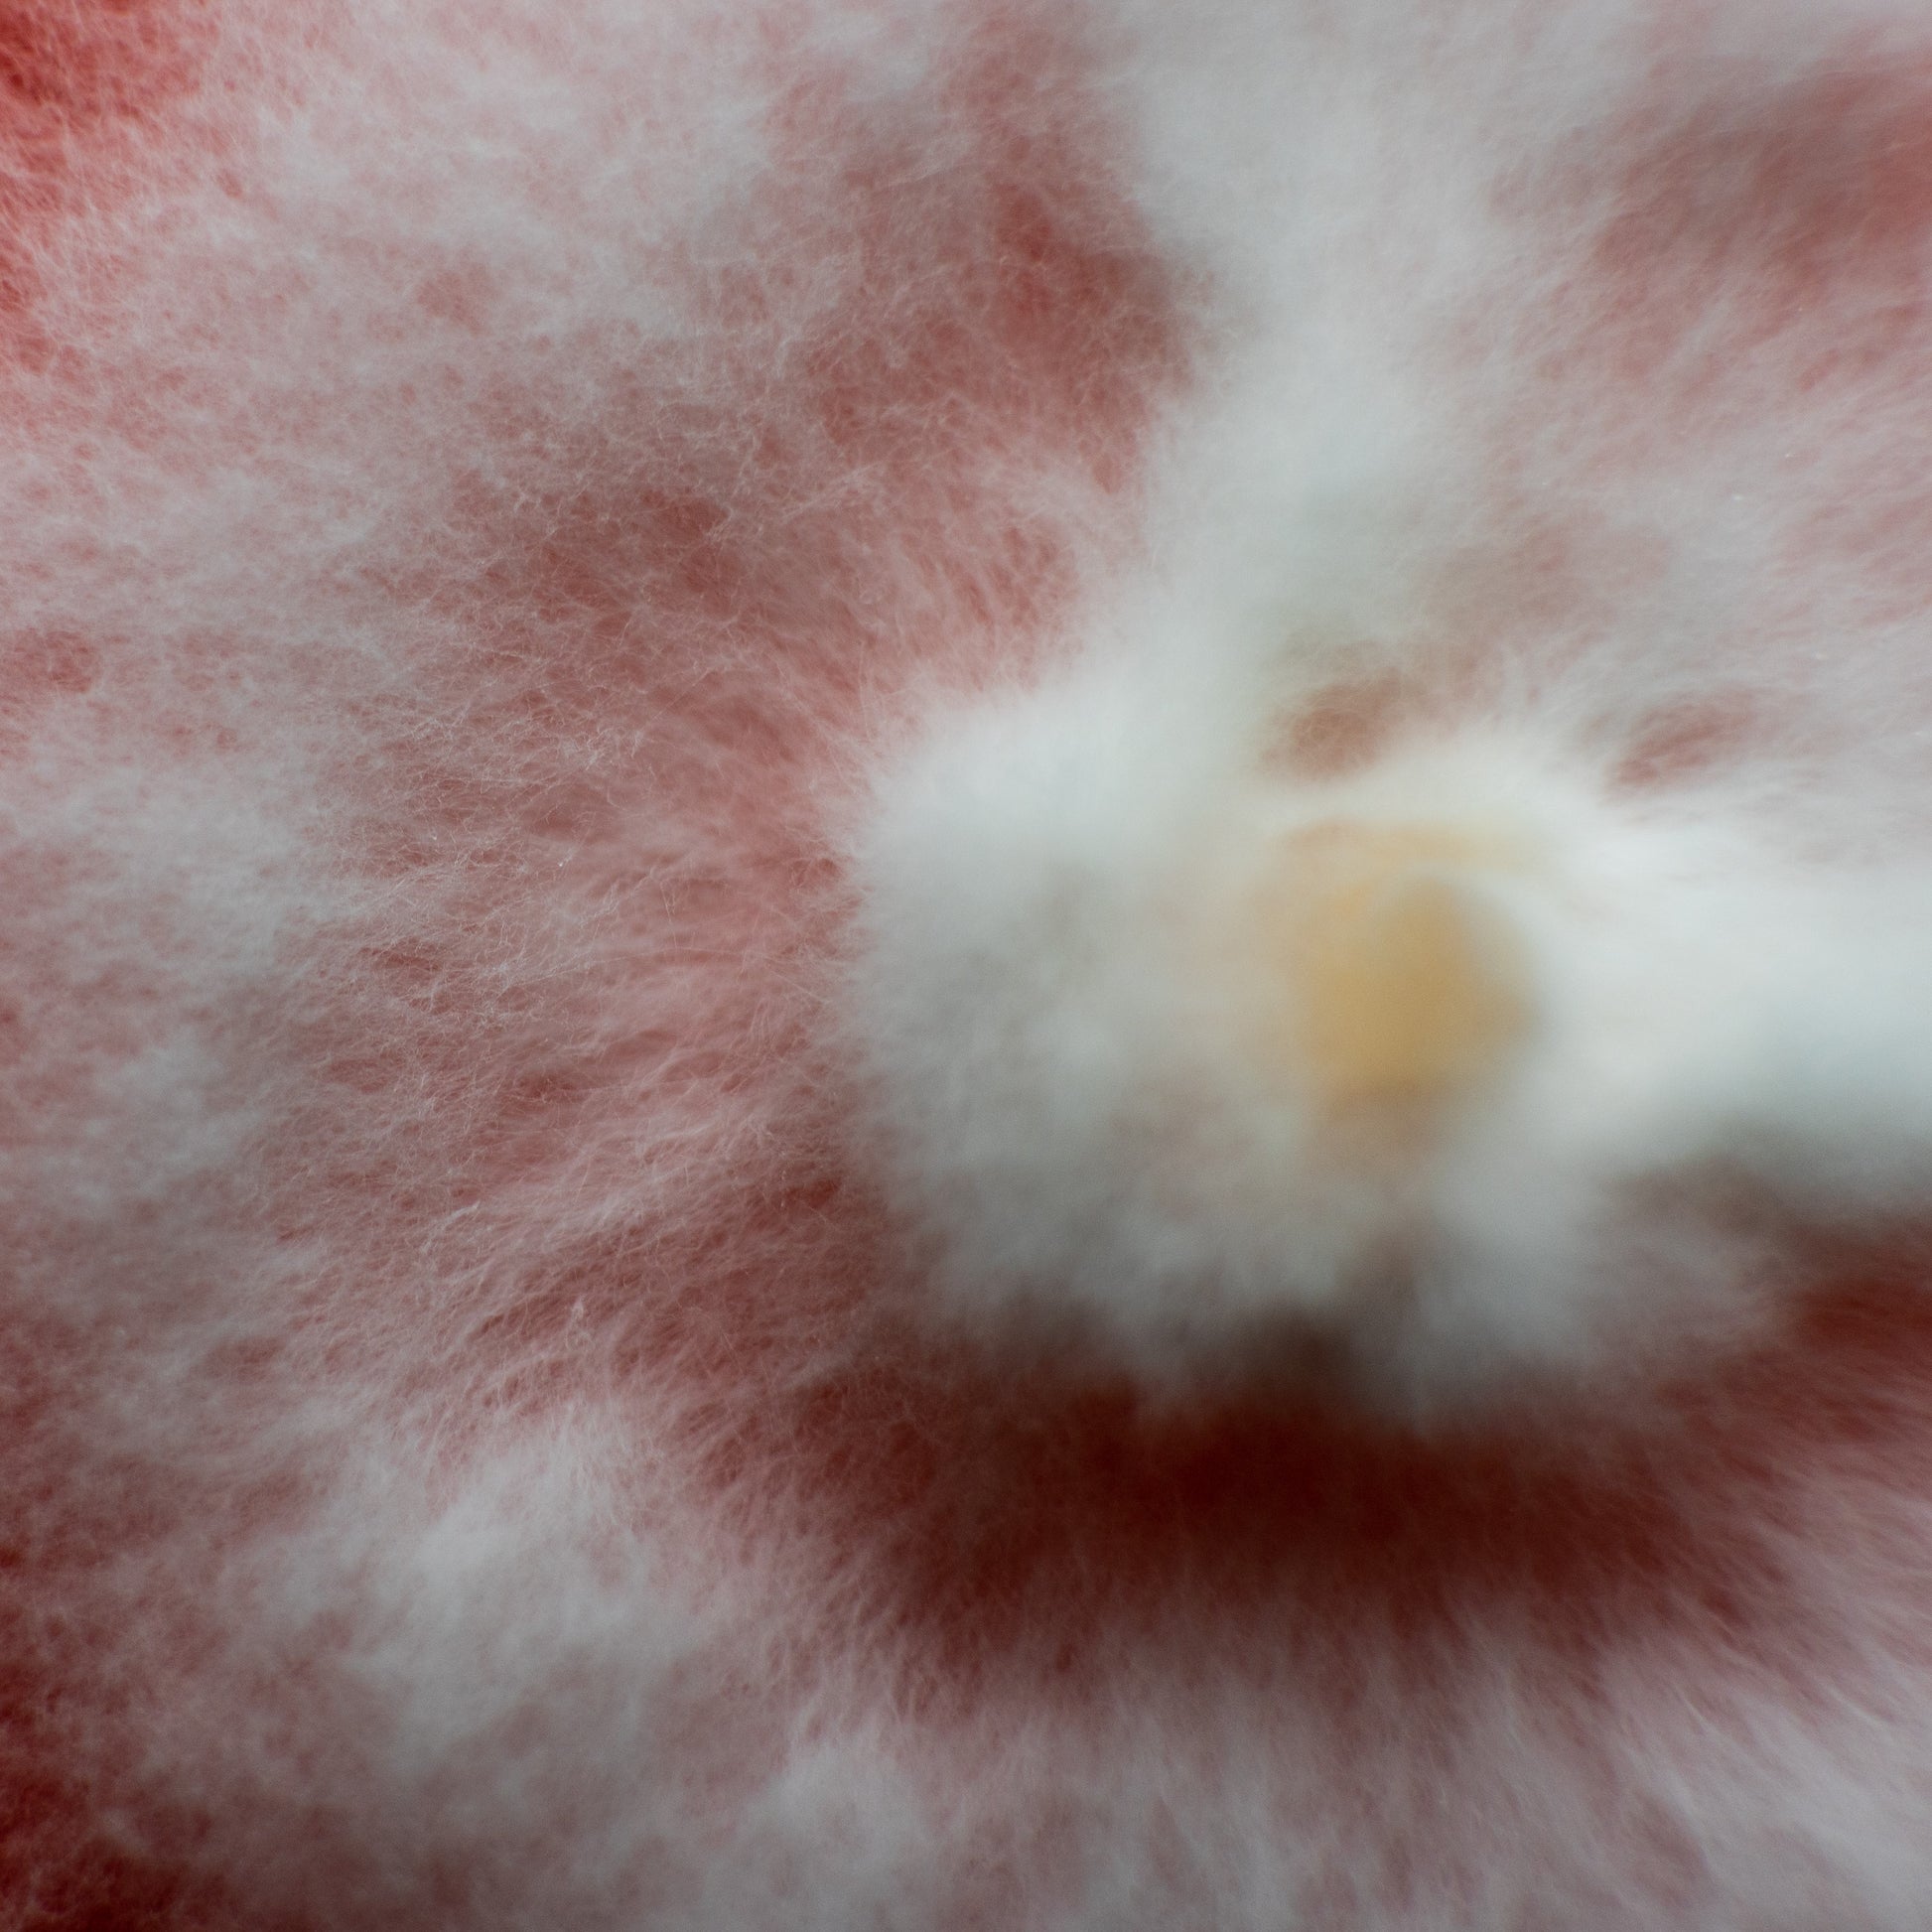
x: 1004, y: 1529
x: 1691, y: 740
x: 1796, y: 217
x: 736, y: 572
x: 38, y: 671
x: 1343, y: 728
x: 84, y: 87
x: 994, y: 319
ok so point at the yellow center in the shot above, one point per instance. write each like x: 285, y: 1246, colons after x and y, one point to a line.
x: 1405, y: 983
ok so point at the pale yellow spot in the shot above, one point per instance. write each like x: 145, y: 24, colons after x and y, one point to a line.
x: 1400, y: 980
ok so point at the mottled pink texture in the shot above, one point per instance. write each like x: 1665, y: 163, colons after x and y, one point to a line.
x: 481, y: 481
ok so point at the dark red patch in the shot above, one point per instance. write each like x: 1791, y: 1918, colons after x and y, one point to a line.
x: 1007, y: 1528
x: 83, y: 85
x: 996, y: 318
x: 1789, y: 218
x: 747, y: 556
x: 1685, y: 742
x: 1343, y: 728
x: 83, y: 1847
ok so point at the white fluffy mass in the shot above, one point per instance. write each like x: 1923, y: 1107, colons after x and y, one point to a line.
x: 1083, y: 1005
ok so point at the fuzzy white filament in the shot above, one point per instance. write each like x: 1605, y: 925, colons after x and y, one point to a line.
x: 1423, y: 1058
